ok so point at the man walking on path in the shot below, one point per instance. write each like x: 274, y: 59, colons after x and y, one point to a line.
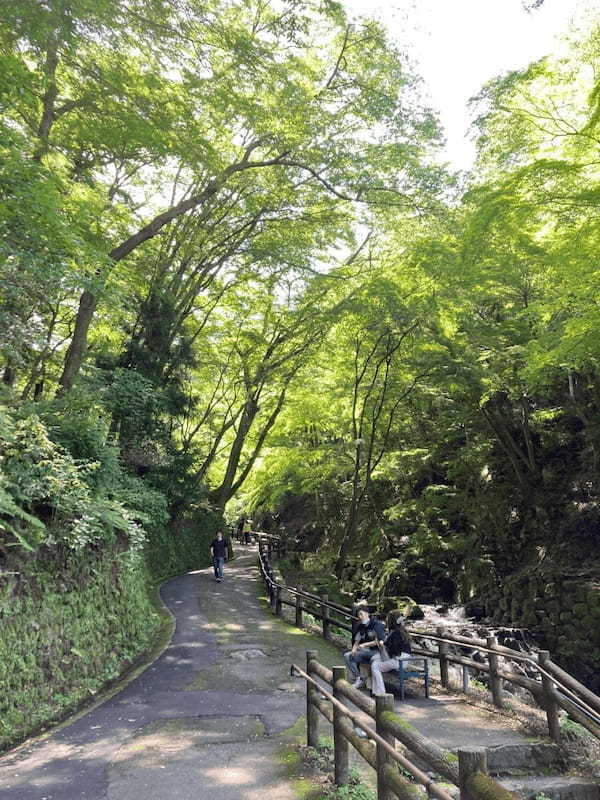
x: 220, y: 552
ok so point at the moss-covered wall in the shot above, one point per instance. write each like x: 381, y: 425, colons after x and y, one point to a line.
x: 561, y: 609
x: 70, y: 623
x: 182, y: 546
x: 67, y: 626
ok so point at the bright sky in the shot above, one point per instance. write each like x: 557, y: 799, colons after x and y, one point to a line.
x: 459, y: 44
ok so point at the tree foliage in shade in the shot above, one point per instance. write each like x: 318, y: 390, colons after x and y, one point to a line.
x: 490, y: 465
x: 178, y: 181
x: 225, y: 235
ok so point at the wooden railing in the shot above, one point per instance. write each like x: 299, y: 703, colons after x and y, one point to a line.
x: 274, y: 544
x: 552, y: 689
x: 468, y: 770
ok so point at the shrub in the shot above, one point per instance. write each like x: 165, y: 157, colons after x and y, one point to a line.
x: 47, y: 497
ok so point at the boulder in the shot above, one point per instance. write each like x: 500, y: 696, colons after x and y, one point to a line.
x: 475, y: 609
x: 406, y: 605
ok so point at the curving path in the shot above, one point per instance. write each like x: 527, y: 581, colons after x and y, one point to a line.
x: 205, y: 720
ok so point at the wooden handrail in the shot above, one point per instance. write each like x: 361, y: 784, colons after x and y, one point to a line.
x: 592, y: 699
x: 432, y: 788
x: 301, y: 593
x: 556, y: 688
x: 458, y: 771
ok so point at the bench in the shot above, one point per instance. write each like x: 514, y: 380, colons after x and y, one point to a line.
x: 408, y: 669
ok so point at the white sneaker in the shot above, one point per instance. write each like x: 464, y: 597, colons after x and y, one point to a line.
x: 358, y: 683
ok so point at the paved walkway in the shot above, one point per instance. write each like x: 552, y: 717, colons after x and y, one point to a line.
x: 209, y: 717
x: 206, y: 720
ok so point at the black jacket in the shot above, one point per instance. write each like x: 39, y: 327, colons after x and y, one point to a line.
x: 370, y: 632
x: 396, y: 643
x: 219, y: 547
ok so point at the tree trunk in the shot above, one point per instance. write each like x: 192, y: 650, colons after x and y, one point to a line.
x: 48, y: 103
x: 221, y: 495
x: 349, y: 535
x: 78, y: 346
x: 8, y: 377
x: 89, y: 302
x: 352, y: 519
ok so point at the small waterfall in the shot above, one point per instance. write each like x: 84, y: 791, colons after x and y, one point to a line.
x: 446, y: 616
x: 454, y: 619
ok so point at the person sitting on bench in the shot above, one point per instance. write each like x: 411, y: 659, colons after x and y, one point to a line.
x: 395, y: 647
x: 369, y: 635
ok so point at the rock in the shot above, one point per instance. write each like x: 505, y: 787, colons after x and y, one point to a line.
x: 416, y: 613
x: 475, y: 610
x: 246, y: 655
x: 455, y: 674
x: 556, y: 788
x: 522, y: 756
x: 403, y: 603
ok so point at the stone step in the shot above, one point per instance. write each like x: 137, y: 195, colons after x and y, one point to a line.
x: 555, y: 787
x: 529, y: 756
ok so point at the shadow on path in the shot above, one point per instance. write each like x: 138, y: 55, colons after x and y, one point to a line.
x: 205, y: 720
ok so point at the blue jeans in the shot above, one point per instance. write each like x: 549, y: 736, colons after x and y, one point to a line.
x: 218, y: 566
x: 363, y: 656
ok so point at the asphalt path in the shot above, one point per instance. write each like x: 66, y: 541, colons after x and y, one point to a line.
x: 206, y: 720
x: 211, y: 716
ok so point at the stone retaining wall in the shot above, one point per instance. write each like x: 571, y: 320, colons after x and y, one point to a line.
x: 562, y: 611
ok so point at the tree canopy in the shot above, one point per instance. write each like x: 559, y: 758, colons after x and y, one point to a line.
x: 236, y: 274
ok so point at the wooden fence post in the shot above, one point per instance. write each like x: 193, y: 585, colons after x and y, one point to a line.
x: 268, y: 584
x: 312, y: 712
x: 325, y: 613
x: 383, y: 704
x: 442, y: 651
x: 495, y: 679
x: 271, y: 586
x: 551, y: 707
x: 278, y: 604
x: 341, y: 746
x: 298, y: 611
x: 470, y: 761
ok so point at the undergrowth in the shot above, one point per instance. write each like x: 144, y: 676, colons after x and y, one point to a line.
x: 320, y: 761
x: 65, y: 633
